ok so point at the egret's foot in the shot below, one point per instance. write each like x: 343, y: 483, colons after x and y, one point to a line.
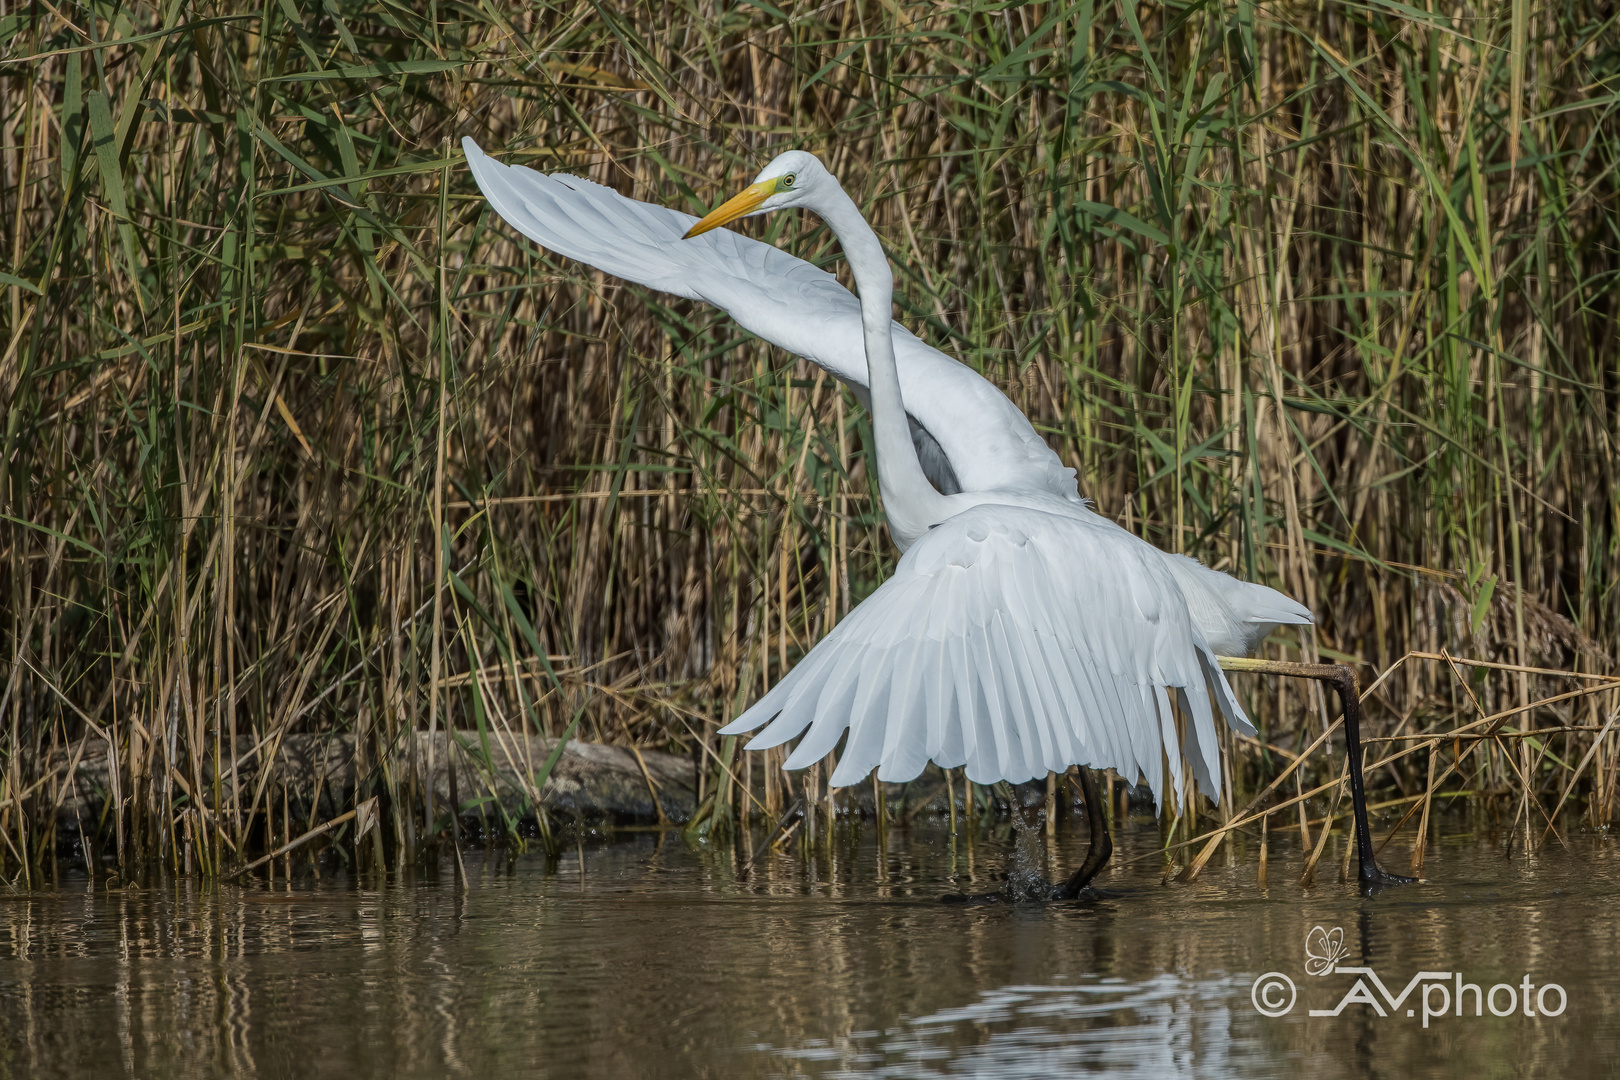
x: 1374, y: 879
x: 1027, y: 886
x: 1102, y: 844
x: 1022, y: 893
x: 975, y: 899
x: 1038, y: 891
x: 1088, y: 891
x: 1031, y: 890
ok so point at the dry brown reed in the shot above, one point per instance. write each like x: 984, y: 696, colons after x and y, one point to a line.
x: 298, y: 437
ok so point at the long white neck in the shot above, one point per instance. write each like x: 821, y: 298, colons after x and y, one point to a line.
x: 910, y: 502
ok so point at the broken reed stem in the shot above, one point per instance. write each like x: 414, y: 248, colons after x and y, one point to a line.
x: 291, y: 845
x: 1265, y: 847
x: 1423, y: 822
x: 1309, y: 873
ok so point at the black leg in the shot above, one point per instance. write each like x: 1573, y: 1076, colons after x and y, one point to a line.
x: 1350, y: 699
x: 1342, y: 678
x: 1102, y: 845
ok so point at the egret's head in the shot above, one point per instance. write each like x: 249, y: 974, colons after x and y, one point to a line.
x: 791, y: 179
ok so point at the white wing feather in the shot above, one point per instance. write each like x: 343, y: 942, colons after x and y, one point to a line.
x: 990, y: 444
x: 998, y: 645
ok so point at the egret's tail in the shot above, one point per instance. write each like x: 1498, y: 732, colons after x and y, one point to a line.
x: 1010, y: 642
x: 1235, y: 616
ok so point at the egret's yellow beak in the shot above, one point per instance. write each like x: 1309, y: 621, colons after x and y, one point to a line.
x: 739, y: 205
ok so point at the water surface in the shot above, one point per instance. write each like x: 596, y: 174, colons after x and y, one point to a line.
x: 655, y: 958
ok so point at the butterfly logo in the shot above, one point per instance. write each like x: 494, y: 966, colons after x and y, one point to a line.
x: 1324, y: 949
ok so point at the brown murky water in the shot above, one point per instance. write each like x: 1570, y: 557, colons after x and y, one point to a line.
x: 658, y: 961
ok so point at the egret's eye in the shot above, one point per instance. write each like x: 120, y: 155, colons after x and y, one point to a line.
x: 786, y: 181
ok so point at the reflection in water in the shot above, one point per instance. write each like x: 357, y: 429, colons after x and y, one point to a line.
x: 1164, y: 1026
x: 655, y: 959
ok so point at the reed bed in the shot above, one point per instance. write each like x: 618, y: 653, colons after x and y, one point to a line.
x: 300, y: 439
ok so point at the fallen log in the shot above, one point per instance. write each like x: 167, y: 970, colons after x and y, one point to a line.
x: 323, y: 772
x: 319, y: 776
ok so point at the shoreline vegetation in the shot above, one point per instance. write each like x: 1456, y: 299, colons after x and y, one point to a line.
x: 302, y: 445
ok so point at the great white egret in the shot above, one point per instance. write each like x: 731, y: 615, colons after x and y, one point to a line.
x: 1021, y: 632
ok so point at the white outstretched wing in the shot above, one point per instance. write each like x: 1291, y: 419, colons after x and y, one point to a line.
x: 988, y: 442
x: 1012, y: 641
